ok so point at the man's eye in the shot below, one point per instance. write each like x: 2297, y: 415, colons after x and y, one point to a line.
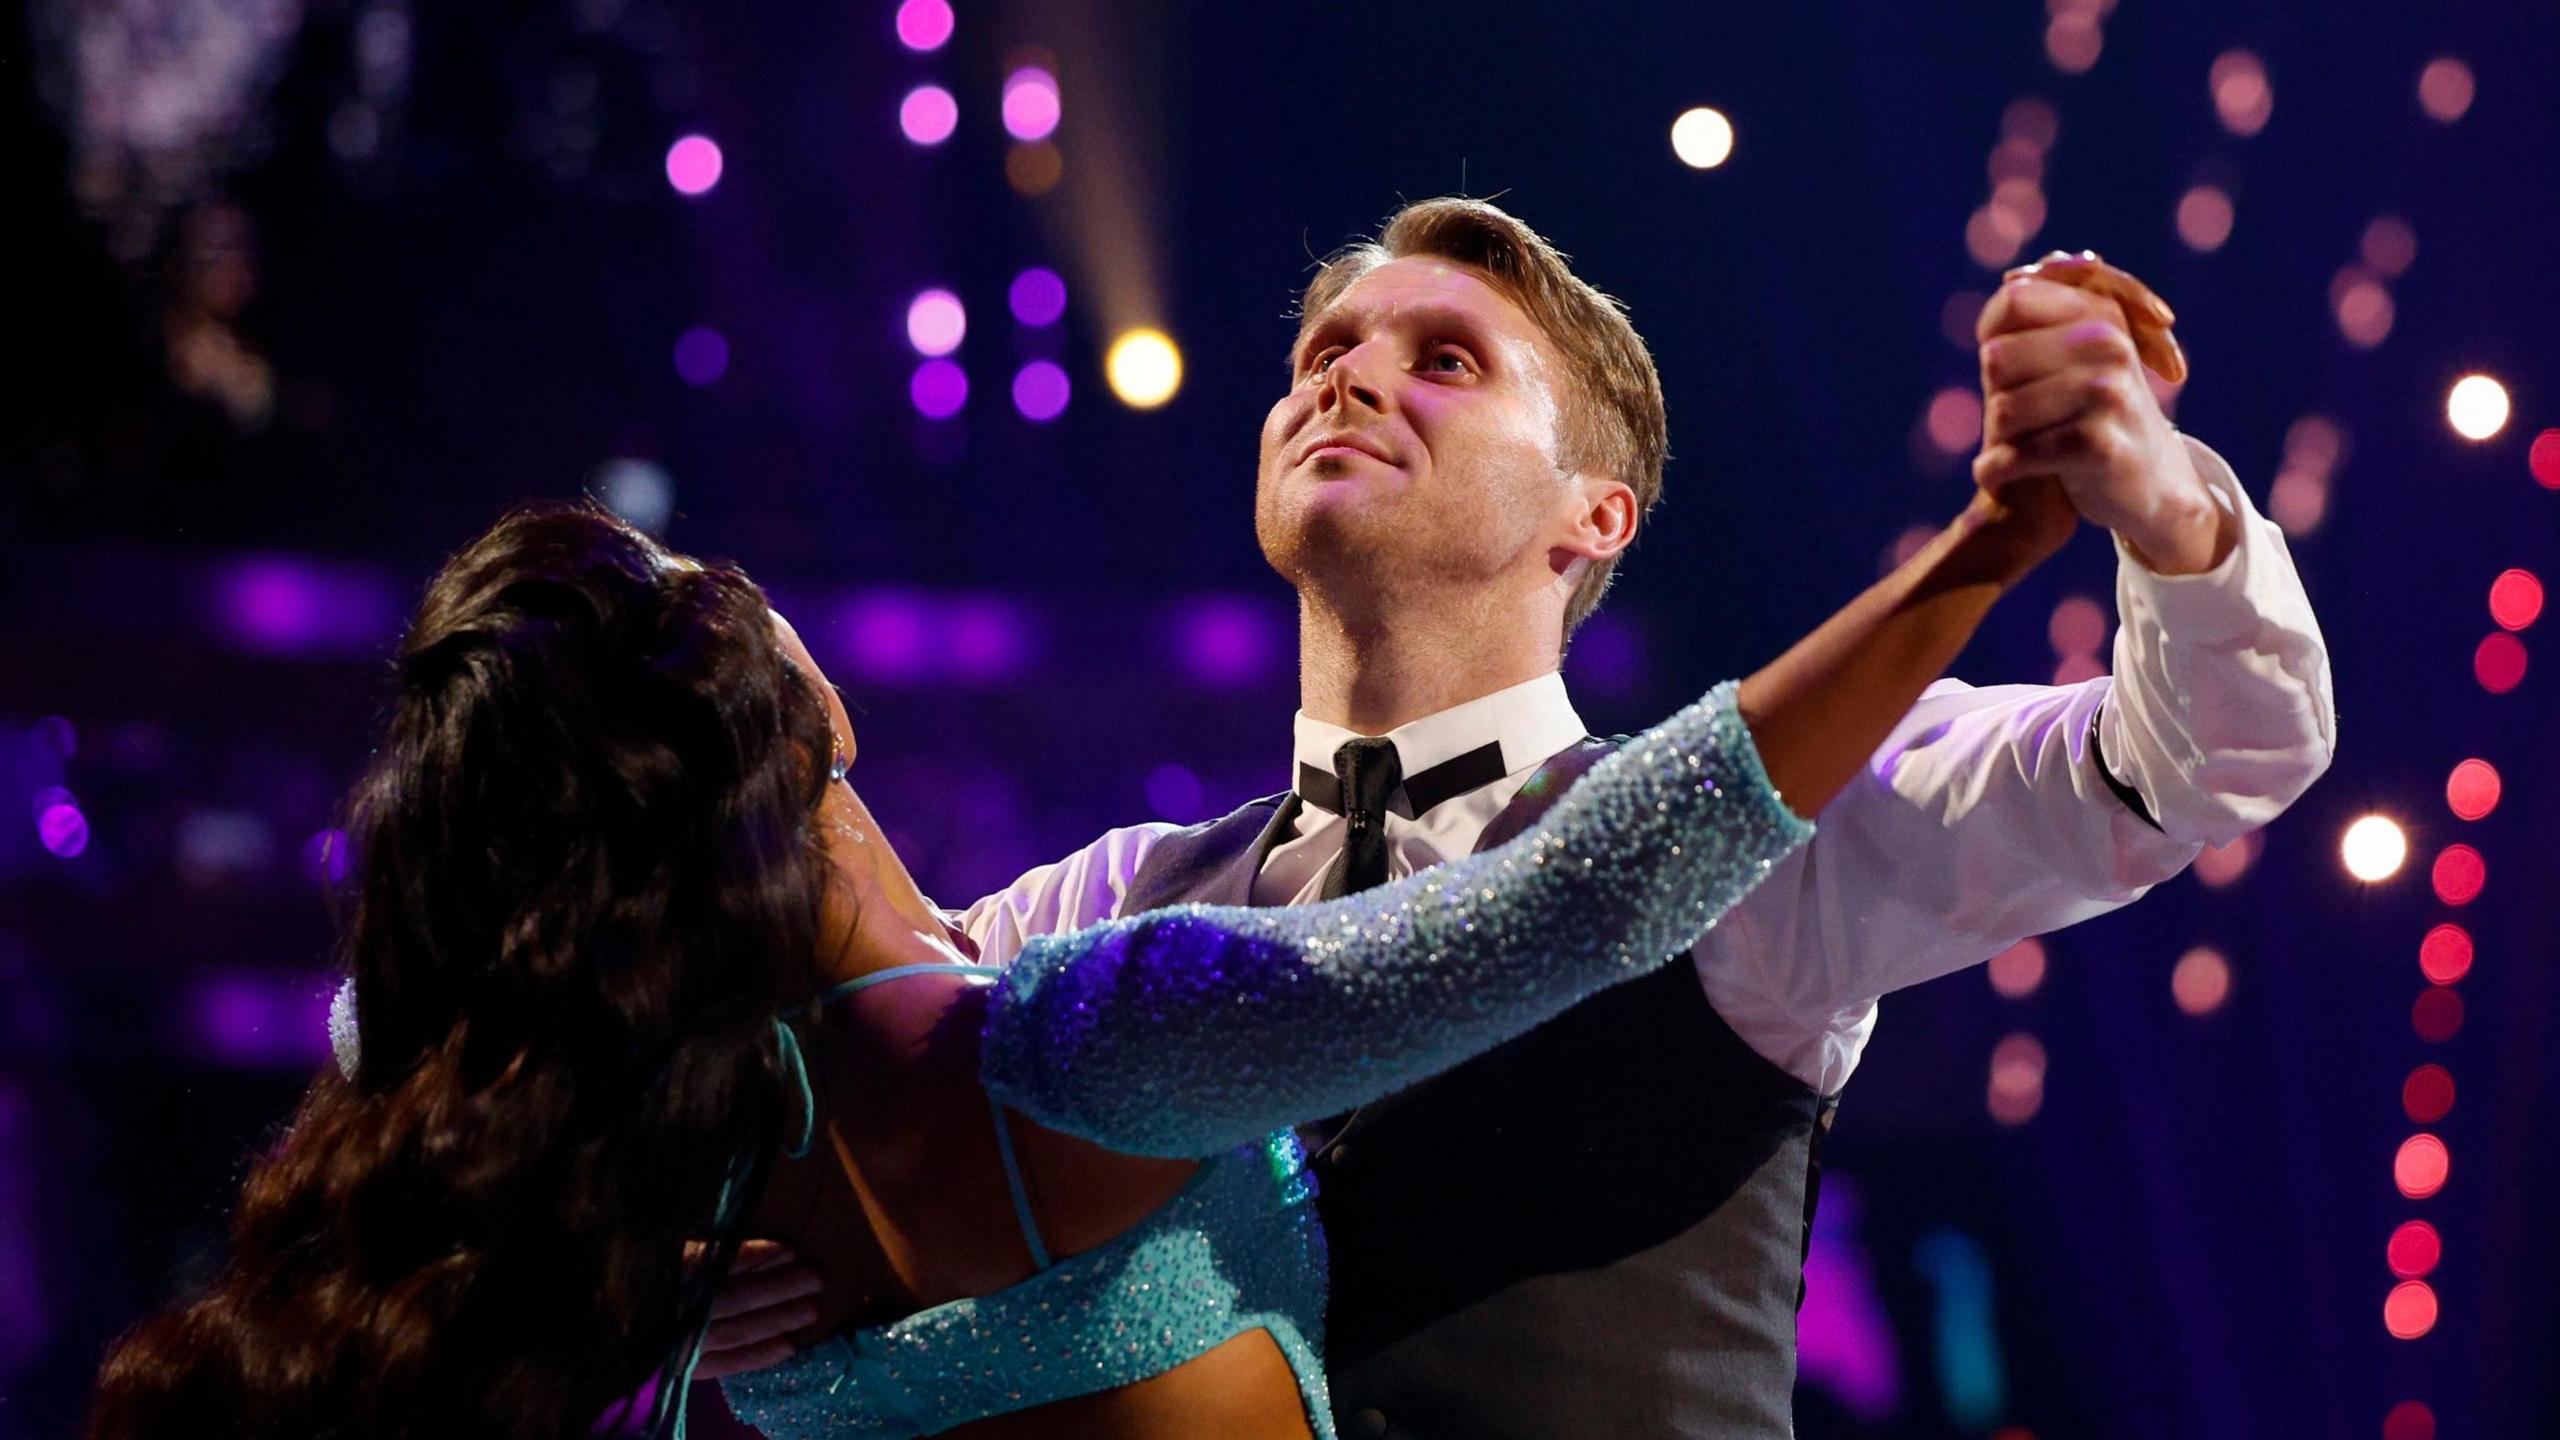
x: 1324, y: 359
x: 1449, y: 359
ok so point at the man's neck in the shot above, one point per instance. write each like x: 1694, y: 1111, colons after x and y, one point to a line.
x: 1378, y: 667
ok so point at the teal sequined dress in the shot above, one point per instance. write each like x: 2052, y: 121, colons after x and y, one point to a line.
x: 1206, y: 1032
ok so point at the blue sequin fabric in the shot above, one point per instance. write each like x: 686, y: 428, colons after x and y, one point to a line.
x: 1237, y: 1250
x: 1192, y: 1029
x: 1204, y: 1031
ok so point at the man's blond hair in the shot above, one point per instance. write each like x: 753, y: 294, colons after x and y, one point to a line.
x: 1613, y: 417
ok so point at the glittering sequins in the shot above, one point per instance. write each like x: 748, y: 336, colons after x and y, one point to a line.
x: 1199, y: 1031
x: 1189, y: 1030
x: 1237, y: 1250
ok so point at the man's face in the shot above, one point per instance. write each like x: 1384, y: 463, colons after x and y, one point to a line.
x: 1419, y: 440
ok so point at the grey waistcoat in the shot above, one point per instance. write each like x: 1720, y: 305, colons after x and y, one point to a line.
x: 1596, y: 1229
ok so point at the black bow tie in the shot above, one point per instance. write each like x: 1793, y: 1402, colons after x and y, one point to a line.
x: 1445, y: 781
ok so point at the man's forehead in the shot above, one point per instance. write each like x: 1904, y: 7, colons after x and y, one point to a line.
x: 1419, y: 281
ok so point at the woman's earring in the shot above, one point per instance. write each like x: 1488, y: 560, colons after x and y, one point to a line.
x: 839, y: 766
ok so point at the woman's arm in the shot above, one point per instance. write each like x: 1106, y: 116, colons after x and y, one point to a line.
x: 1187, y: 1031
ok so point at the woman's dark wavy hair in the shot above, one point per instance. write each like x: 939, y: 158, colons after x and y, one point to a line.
x: 589, y: 880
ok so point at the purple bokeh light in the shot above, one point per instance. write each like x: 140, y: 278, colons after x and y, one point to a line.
x: 285, y: 605
x: 984, y: 637
x: 1607, y: 657
x: 694, y: 164
x: 1040, y: 391
x: 257, y: 1020
x: 886, y: 635
x: 702, y: 355
x: 63, y: 829
x: 1038, y: 297
x: 1175, y: 794
x: 936, y: 322
x: 324, y: 857
x: 1845, y: 1340
x: 924, y: 24
x: 939, y: 389
x: 1030, y: 103
x: 928, y: 115
x: 1227, y: 641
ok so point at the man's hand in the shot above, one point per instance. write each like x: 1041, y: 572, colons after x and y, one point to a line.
x: 769, y: 1297
x: 2063, y: 346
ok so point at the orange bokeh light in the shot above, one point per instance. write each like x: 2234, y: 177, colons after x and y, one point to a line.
x: 2201, y: 981
x: 2018, y: 970
x: 2205, y: 217
x: 2422, y: 1166
x: 2219, y: 865
x: 2445, y: 89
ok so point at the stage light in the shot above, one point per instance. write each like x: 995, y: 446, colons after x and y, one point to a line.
x: 2389, y: 246
x: 936, y: 322
x: 2421, y: 1166
x: 2364, y: 309
x: 2073, y: 43
x: 2543, y: 460
x: 939, y: 388
x: 2219, y: 865
x: 2316, y: 443
x: 2017, y: 1079
x: 2078, y: 626
x: 2471, y: 791
x: 701, y: 355
x: 2031, y: 120
x: 1038, y: 297
x: 2409, y: 1420
x: 928, y: 115
x: 1992, y: 238
x: 1035, y: 168
x: 2016, y: 160
x: 2018, y: 970
x: 1702, y: 138
x: 1954, y: 420
x: 2414, y: 1249
x: 1144, y: 368
x: 693, y: 165
x: 1040, y: 391
x: 2445, y: 89
x: 2515, y: 599
x: 1227, y: 643
x: 2445, y: 955
x: 2201, y: 981
x: 2477, y: 407
x: 2459, y: 874
x: 924, y: 24
x: 2242, y: 97
x: 62, y: 829
x: 639, y: 491
x: 2499, y: 663
x: 2437, y: 1014
x: 1031, y: 106
x: 2205, y: 216
x: 2298, y: 501
x: 2410, y: 1310
x: 2427, y: 1095
x: 2021, y: 204
x: 2374, y: 848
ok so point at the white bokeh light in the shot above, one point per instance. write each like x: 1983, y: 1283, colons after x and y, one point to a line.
x: 2374, y: 848
x: 1144, y: 368
x: 2477, y: 407
x: 1702, y: 138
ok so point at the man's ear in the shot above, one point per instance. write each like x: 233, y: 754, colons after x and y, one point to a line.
x: 1602, y: 521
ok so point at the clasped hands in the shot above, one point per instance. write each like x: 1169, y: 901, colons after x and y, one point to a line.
x: 2064, y: 342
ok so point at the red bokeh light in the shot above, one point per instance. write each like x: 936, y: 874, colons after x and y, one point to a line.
x: 2427, y: 1095
x: 2544, y: 459
x: 2421, y: 1166
x: 2499, y: 663
x: 2414, y: 1250
x: 2445, y: 955
x: 2409, y: 1420
x: 2459, y: 874
x: 2515, y: 599
x: 2018, y: 970
x: 2410, y: 1311
x: 2437, y: 1015
x: 2471, y: 791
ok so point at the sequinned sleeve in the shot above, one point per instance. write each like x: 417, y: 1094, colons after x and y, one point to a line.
x: 1190, y: 1030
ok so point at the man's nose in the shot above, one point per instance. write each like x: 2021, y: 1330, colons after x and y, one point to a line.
x: 1347, y: 383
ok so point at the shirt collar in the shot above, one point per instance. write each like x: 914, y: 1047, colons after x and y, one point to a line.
x: 1533, y: 721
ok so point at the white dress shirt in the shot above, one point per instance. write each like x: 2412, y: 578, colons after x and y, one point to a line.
x: 1982, y: 820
